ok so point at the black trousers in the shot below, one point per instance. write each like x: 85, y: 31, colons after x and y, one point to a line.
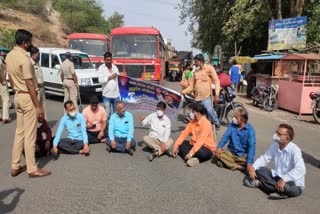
x: 70, y: 146
x: 268, y: 183
x: 43, y: 152
x: 93, y: 136
x: 203, y: 154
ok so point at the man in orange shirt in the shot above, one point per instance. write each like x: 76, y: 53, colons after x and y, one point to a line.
x: 202, y: 143
x: 201, y: 84
x: 96, y: 121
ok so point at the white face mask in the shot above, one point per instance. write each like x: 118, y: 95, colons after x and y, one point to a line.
x: 160, y: 113
x: 276, y: 137
x: 72, y: 113
x: 191, y: 116
x: 235, y: 121
x: 39, y: 125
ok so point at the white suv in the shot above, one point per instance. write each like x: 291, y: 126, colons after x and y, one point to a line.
x: 50, y: 61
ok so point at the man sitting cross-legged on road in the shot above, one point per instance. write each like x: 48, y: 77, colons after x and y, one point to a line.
x: 242, y: 144
x: 121, y: 128
x: 158, y: 138
x: 202, y: 143
x: 77, y: 138
x: 286, y: 179
x: 96, y: 121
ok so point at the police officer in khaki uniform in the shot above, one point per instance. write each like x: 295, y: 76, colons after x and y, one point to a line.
x: 27, y: 105
x: 70, y: 80
x: 35, y: 57
x: 4, y: 94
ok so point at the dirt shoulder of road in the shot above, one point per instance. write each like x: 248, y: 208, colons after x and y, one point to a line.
x: 45, y: 32
x: 281, y: 115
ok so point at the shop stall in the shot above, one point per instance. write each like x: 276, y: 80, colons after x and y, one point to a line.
x: 268, y: 69
x: 300, y: 77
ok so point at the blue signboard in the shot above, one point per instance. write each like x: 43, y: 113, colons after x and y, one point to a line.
x: 287, y: 34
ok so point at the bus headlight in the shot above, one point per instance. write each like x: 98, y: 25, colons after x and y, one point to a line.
x: 85, y: 81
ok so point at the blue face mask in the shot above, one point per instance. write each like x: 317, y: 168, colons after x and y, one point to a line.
x: 37, y: 58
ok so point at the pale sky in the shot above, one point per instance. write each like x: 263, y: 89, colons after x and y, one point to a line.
x: 161, y: 14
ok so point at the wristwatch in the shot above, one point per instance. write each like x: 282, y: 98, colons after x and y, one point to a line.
x: 190, y: 155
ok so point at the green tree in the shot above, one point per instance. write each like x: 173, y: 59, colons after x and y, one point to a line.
x: 7, y: 38
x: 86, y: 16
x: 115, y: 20
x: 244, y: 22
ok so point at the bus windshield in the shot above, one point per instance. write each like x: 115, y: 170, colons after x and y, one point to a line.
x: 80, y: 61
x: 135, y: 46
x: 90, y: 46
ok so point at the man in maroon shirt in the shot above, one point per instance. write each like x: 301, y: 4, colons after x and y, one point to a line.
x: 44, y: 138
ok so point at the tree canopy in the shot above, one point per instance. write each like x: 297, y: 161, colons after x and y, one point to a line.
x: 244, y: 22
x: 86, y: 16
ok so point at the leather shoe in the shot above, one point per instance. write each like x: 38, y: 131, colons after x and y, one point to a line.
x: 15, y: 172
x: 6, y: 121
x: 39, y: 173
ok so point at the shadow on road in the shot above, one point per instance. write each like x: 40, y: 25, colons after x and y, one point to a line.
x: 9, y: 207
x: 43, y: 161
x: 309, y: 159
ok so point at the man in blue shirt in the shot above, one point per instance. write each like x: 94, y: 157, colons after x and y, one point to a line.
x: 235, y: 74
x: 77, y: 138
x: 120, y: 130
x: 242, y: 143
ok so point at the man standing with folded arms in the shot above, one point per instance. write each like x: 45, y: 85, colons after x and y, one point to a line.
x: 28, y: 108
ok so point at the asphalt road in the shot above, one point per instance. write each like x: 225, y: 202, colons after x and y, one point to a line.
x: 119, y: 183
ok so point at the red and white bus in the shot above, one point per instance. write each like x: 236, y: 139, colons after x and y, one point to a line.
x: 93, y: 44
x: 139, y: 52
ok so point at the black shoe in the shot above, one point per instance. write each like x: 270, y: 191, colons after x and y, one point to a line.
x: 130, y: 152
x: 109, y: 149
x: 217, y: 127
x: 152, y: 156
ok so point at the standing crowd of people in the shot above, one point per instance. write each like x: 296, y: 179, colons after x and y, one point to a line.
x: 113, y: 125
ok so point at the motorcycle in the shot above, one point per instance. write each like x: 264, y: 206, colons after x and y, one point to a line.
x: 315, y: 105
x: 225, y: 108
x: 265, y: 96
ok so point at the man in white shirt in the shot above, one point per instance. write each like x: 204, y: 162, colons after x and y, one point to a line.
x: 158, y: 138
x: 286, y: 179
x: 108, y: 77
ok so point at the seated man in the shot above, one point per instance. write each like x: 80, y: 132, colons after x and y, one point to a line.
x: 44, y: 138
x: 202, y: 143
x: 160, y: 127
x: 96, y: 121
x: 286, y: 179
x: 121, y: 129
x: 242, y: 141
x: 77, y: 138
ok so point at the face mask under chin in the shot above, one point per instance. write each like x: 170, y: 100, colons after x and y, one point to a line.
x: 72, y: 114
x: 235, y: 121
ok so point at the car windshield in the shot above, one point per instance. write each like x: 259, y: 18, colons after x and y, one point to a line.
x: 90, y: 46
x: 135, y: 46
x: 80, y: 61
